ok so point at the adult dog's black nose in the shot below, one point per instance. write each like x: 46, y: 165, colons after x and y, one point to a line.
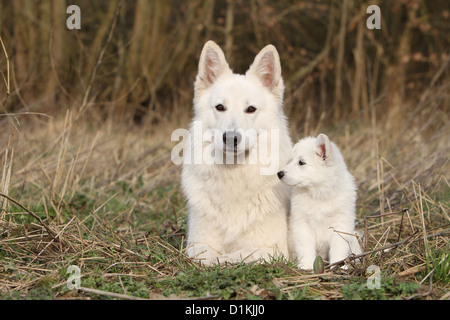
x: 232, y: 138
x: 280, y: 175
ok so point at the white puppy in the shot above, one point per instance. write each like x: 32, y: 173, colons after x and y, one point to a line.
x: 322, y: 220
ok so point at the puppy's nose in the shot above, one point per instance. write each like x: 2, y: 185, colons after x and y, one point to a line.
x: 232, y: 138
x: 280, y: 175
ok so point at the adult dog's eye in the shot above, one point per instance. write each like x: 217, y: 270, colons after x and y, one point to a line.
x: 301, y: 162
x: 250, y: 109
x: 220, y: 107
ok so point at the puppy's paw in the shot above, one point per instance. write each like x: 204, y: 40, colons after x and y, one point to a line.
x: 306, y: 263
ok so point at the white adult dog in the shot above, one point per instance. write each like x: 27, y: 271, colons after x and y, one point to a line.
x: 322, y: 218
x: 237, y: 207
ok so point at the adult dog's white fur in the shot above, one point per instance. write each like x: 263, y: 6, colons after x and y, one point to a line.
x: 234, y: 212
x: 322, y: 219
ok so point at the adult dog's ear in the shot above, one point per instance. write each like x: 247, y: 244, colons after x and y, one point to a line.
x: 267, y: 68
x: 322, y: 147
x: 212, y: 64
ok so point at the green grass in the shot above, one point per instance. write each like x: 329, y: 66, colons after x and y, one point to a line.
x: 438, y: 264
x: 224, y: 282
x: 389, y: 288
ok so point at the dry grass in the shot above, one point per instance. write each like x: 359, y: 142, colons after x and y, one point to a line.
x: 54, y: 167
x: 107, y: 198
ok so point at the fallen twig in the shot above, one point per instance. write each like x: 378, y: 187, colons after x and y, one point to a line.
x: 411, y: 238
x: 51, y: 233
x: 110, y: 294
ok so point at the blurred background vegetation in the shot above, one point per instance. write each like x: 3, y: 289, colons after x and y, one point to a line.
x: 135, y: 61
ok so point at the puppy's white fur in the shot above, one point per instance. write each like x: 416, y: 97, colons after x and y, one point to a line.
x: 322, y: 220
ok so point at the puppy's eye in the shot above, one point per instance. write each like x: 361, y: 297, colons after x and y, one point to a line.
x: 301, y: 162
x: 250, y: 109
x: 220, y: 107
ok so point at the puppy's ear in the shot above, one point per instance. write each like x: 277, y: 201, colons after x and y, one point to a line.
x: 322, y: 147
x: 212, y: 64
x: 267, y: 68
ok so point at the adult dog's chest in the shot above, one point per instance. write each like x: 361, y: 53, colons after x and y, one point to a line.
x: 230, y: 186
x: 242, y: 199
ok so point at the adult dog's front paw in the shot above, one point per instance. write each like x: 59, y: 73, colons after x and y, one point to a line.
x: 203, y: 254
